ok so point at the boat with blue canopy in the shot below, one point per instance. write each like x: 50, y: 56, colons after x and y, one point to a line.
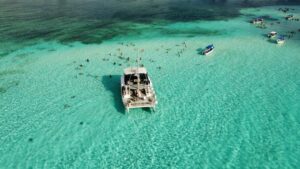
x: 208, y: 49
x: 280, y: 40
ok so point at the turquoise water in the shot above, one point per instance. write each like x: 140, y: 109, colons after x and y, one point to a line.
x: 236, y: 108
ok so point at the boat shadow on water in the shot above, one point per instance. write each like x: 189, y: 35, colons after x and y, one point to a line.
x: 265, y: 35
x: 270, y: 40
x: 112, y: 84
x: 200, y: 50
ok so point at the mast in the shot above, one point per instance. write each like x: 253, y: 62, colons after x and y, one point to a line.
x: 138, y: 82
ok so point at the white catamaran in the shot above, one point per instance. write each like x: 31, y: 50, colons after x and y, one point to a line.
x: 136, y: 89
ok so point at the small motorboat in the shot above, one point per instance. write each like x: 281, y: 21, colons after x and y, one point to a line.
x: 208, y: 49
x: 289, y: 17
x: 272, y: 34
x: 280, y: 40
x: 257, y: 21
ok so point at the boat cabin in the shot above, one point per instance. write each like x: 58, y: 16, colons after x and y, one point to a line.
x: 134, y: 75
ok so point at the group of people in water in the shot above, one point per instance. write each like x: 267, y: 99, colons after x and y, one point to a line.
x: 120, y: 54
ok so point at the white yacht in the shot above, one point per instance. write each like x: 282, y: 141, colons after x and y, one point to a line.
x: 257, y: 21
x: 136, y: 89
x: 272, y: 34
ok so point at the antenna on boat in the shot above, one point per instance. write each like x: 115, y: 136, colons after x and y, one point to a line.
x: 138, y: 74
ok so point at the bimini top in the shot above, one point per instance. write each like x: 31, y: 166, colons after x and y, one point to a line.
x: 134, y: 70
x: 281, y: 37
x: 211, y: 46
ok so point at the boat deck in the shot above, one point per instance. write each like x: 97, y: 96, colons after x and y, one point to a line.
x: 136, y: 89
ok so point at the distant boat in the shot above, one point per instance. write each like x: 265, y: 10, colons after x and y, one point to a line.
x: 136, y: 89
x: 209, y: 49
x: 289, y: 17
x: 257, y: 21
x: 272, y: 34
x: 280, y: 40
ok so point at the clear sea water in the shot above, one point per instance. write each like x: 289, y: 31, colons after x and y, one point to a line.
x: 236, y: 108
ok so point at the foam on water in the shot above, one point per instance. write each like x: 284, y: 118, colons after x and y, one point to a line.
x: 238, y: 107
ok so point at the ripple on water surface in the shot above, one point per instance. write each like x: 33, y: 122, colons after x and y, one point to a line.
x: 236, y: 107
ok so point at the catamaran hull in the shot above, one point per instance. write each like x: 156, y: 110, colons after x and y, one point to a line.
x: 129, y: 104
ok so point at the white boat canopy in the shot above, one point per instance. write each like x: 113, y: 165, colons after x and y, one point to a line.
x: 134, y: 70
